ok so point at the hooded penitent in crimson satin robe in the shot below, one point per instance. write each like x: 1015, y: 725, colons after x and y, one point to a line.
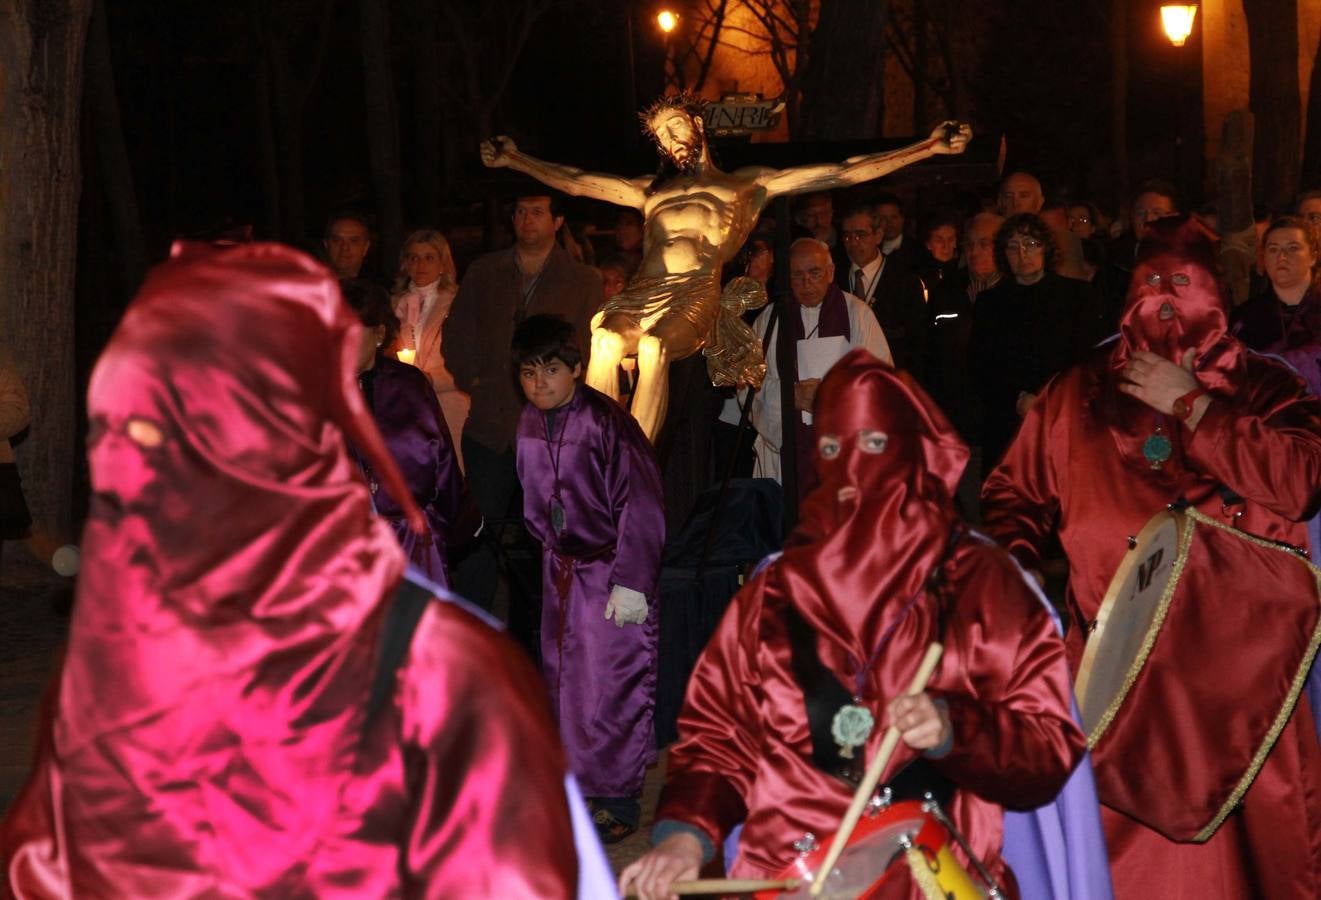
x: 602, y: 678
x: 1078, y: 456
x: 206, y: 733
x: 857, y: 571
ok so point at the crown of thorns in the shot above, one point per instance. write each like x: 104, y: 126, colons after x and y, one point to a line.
x: 685, y: 102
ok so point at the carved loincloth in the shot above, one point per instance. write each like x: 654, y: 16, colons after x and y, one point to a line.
x: 733, y: 352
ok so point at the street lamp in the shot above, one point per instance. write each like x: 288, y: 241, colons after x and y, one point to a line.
x: 668, y: 20
x: 1177, y: 19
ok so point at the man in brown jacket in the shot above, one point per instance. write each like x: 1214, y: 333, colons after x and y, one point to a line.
x: 498, y: 291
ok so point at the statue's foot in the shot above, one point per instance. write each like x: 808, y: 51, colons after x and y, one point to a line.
x: 651, y: 397
x: 603, y: 367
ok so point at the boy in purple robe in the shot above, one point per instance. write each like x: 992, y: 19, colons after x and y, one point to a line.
x: 592, y: 497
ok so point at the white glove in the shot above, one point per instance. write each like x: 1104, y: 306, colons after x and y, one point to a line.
x: 627, y: 606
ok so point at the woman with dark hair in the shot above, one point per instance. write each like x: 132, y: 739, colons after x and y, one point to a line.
x: 1286, y: 319
x: 1026, y: 328
x: 1083, y: 219
x: 411, y: 421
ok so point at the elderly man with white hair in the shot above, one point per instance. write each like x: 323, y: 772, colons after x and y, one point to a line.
x: 829, y: 323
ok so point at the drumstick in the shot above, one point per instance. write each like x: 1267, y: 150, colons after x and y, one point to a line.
x: 730, y: 886
x: 873, y: 776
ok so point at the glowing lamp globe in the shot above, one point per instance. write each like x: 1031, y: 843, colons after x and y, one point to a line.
x: 1177, y: 19
x: 667, y: 20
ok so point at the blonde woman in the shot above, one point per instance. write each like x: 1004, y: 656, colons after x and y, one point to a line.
x: 424, y: 291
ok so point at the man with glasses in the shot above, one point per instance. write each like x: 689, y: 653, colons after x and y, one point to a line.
x: 829, y: 323
x: 1026, y: 328
x: 887, y: 284
x: 1155, y: 199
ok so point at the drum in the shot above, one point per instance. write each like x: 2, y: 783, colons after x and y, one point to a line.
x: 1200, y: 651
x: 1130, y: 616
x: 911, y: 835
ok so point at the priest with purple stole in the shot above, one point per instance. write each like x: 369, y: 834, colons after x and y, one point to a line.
x: 592, y: 497
x: 829, y: 324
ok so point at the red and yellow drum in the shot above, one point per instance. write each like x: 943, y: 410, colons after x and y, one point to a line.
x: 911, y: 836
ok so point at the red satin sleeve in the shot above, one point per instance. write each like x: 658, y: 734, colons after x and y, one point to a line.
x: 1020, y: 497
x: 1015, y: 742
x: 712, y: 766
x: 1272, y: 458
x: 484, y: 769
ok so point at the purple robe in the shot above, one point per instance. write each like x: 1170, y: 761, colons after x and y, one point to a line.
x: 602, y: 678
x: 1267, y: 325
x: 409, y: 417
x: 1057, y: 851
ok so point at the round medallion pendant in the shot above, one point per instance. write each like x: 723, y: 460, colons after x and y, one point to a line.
x: 1157, y: 449
x: 850, y: 728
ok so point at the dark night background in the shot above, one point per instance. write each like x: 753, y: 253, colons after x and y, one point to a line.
x: 202, y: 119
x: 186, y: 79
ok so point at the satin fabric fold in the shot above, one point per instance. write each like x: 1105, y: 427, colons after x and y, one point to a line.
x: 413, y: 425
x: 852, y: 567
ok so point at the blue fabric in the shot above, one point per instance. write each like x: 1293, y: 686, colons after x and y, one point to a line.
x: 596, y: 881
x: 1057, y: 851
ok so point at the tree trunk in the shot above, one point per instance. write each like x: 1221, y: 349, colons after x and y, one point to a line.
x: 288, y: 108
x: 920, y: 72
x: 382, y: 123
x: 427, y: 106
x: 1119, y: 99
x: 1274, y: 98
x: 270, y: 166
x: 1238, y: 246
x: 1311, y: 173
x: 41, y: 68
x: 116, y: 172
x: 840, y: 84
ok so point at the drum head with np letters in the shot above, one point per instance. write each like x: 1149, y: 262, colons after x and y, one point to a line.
x: 1129, y: 618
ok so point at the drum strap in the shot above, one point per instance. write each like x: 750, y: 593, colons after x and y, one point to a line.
x: 823, y: 695
x: 410, y: 601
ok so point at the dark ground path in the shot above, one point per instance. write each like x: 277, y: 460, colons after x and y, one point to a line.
x: 31, y: 634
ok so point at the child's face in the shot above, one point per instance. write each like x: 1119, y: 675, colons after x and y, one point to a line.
x: 549, y: 384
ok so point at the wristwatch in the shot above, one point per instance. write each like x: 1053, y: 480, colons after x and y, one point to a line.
x: 1183, y: 407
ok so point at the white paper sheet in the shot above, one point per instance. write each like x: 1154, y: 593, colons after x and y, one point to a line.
x: 816, y: 356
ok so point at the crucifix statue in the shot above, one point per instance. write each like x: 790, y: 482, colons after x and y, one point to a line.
x: 697, y: 219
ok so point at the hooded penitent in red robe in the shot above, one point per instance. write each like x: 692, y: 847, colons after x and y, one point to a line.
x: 878, y: 568
x: 207, y: 734
x: 1253, y: 462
